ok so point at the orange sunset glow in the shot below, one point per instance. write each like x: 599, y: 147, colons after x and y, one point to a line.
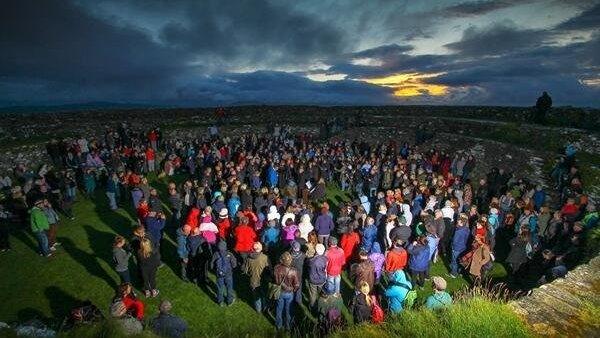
x: 410, y: 84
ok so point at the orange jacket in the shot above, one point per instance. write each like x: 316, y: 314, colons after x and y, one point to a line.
x: 396, y: 259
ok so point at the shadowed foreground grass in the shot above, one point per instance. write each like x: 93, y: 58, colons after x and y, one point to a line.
x: 82, y: 269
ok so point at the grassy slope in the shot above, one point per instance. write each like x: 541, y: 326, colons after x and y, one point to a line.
x: 82, y: 269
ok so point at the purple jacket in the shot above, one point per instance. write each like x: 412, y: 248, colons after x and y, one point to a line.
x: 324, y: 225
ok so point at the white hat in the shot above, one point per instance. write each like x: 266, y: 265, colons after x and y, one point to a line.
x: 273, y: 214
x: 223, y: 213
x: 320, y: 249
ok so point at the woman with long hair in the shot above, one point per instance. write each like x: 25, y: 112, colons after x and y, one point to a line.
x: 149, y: 260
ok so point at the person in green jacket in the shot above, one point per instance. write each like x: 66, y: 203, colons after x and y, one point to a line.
x: 39, y: 227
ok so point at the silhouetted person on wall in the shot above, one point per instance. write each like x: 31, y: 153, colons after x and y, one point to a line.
x: 542, y: 107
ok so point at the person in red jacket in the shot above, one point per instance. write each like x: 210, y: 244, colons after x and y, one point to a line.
x: 150, y: 156
x: 224, y: 224
x: 396, y: 258
x: 193, y: 218
x: 570, y: 209
x: 245, y: 237
x: 142, y: 211
x: 349, y: 243
x: 335, y: 263
x: 134, y: 306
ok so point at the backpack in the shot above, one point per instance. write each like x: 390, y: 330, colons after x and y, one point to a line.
x: 377, y: 315
x: 224, y: 265
x: 334, y: 320
x: 410, y: 299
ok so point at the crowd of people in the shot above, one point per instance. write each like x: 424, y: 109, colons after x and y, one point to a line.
x: 253, y: 209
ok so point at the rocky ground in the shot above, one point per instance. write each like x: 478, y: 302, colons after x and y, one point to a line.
x: 556, y: 309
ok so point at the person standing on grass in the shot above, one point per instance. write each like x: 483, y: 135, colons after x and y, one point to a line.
x: 121, y: 259
x: 150, y: 159
x: 223, y: 263
x: 245, y: 237
x: 182, y: 251
x: 397, y: 290
x: 317, y: 275
x: 323, y: 226
x: 419, y: 260
x: 363, y: 271
x: 53, y: 219
x: 459, y: 245
x: 362, y: 303
x: 166, y: 324
x: 287, y: 278
x: 298, y: 258
x: 112, y: 190
x: 39, y: 227
x: 335, y: 264
x: 440, y: 299
x: 149, y: 260
x: 254, y: 267
x: 396, y: 258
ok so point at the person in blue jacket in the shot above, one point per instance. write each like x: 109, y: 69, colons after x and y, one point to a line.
x: 233, y: 205
x: 397, y: 291
x: 459, y: 245
x: 182, y: 250
x: 419, y: 260
x: 272, y: 176
x: 369, y: 235
x: 155, y: 223
x: 270, y: 237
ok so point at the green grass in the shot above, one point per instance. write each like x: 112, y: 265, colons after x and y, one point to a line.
x: 472, y: 318
x: 46, y: 289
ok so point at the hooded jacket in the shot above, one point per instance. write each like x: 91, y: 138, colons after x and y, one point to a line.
x: 397, y: 291
x: 396, y: 259
x: 244, y: 238
x: 419, y: 257
x: 223, y: 254
x: 377, y: 258
x: 255, y: 266
x: 317, y: 266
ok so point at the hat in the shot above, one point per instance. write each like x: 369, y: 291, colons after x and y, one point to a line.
x: 493, y: 211
x: 273, y: 214
x: 320, y: 249
x: 257, y: 247
x: 439, y: 283
x: 295, y: 246
x: 223, y: 213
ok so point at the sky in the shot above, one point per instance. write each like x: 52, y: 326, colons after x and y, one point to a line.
x: 322, y: 52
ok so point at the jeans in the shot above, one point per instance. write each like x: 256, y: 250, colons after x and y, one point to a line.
x: 71, y: 192
x: 112, y: 201
x: 257, y: 295
x: 225, y: 283
x: 333, y: 283
x: 125, y: 277
x: 42, y: 239
x: 298, y: 294
x: 454, y: 262
x: 151, y: 167
x: 284, y: 303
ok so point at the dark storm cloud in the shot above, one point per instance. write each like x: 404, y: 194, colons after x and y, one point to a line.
x: 589, y: 19
x: 475, y: 8
x: 497, y: 39
x: 58, y: 45
x: 281, y: 88
x: 257, y: 31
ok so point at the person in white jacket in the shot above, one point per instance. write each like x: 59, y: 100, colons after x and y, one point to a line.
x: 305, y: 226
